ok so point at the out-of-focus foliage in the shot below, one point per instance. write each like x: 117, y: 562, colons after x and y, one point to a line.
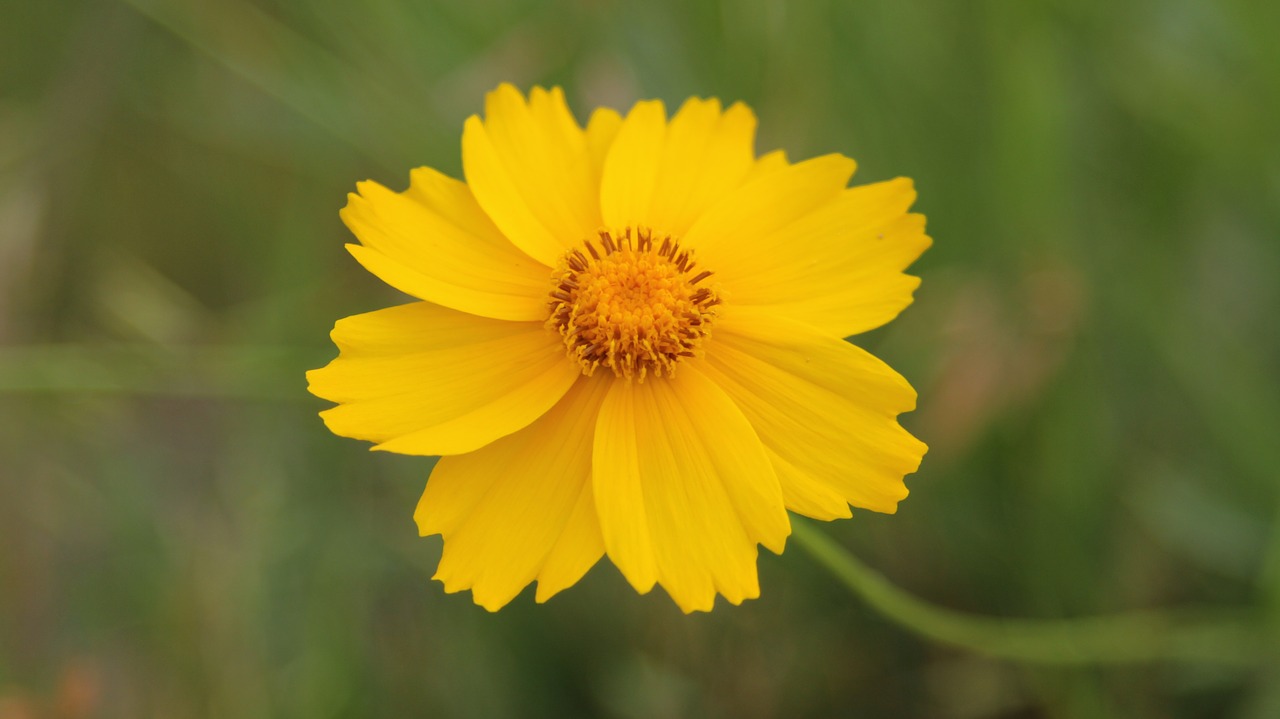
x: 1095, y: 344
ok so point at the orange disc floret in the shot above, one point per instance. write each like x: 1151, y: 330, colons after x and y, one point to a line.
x: 634, y: 304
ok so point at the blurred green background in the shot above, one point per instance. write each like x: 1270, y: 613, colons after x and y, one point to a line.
x: 1096, y: 347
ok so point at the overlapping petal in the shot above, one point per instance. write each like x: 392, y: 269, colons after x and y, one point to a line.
x: 839, y: 267
x: 424, y: 379
x: 521, y: 508
x: 664, y: 175
x: 434, y: 242
x: 777, y: 195
x: 602, y: 129
x: 533, y: 171
x: 684, y: 490
x: 824, y: 408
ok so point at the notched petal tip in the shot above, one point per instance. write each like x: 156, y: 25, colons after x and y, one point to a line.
x: 839, y: 163
x: 505, y: 92
x: 907, y: 184
x: 313, y: 374
x: 541, y: 595
x: 890, y: 506
x: 640, y: 581
x: 349, y: 214
x: 366, y: 187
x: 324, y: 383
x: 606, y: 115
x: 649, y: 109
x: 778, y: 544
x: 490, y: 603
x: 472, y: 125
x: 555, y: 94
x: 694, y: 104
x: 332, y: 420
x: 917, y: 224
x: 706, y: 602
x: 692, y: 608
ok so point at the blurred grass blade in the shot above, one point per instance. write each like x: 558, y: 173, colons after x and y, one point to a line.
x: 287, y: 66
x: 250, y: 372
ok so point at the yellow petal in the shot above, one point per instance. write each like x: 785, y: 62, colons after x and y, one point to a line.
x: 602, y: 128
x: 434, y: 242
x: 579, y: 547
x: 665, y: 176
x: 684, y: 490
x: 630, y: 168
x: 745, y: 218
x: 840, y: 267
x: 806, y: 495
x: 530, y: 167
x: 424, y: 379
x: 521, y: 508
x: 766, y: 164
x: 826, y: 408
x: 707, y: 154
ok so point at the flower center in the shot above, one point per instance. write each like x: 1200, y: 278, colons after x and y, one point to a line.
x: 631, y: 304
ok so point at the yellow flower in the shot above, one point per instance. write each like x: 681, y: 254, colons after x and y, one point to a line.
x: 629, y: 343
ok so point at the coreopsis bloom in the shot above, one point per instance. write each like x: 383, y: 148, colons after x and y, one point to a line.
x: 629, y: 343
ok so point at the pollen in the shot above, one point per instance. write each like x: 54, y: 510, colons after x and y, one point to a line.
x: 631, y: 302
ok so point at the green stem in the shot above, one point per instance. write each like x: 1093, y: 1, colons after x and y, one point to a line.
x: 1141, y: 636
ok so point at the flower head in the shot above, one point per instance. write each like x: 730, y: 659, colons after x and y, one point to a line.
x: 629, y: 342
